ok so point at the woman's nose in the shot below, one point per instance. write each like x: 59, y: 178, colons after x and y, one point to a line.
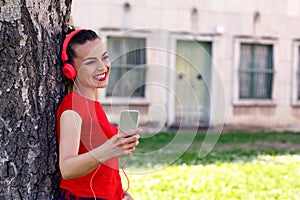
x: 100, y: 65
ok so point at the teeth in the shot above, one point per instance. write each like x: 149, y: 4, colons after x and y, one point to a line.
x: 101, y: 76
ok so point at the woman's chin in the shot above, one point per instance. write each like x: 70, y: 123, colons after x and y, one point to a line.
x: 102, y: 85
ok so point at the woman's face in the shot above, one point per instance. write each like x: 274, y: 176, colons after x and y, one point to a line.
x: 92, y: 64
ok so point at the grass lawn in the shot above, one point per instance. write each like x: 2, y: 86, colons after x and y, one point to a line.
x: 240, y: 166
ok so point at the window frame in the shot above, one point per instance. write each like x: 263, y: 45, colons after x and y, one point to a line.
x: 120, y: 100
x: 295, y: 72
x: 235, y: 91
x: 253, y: 71
x: 126, y: 65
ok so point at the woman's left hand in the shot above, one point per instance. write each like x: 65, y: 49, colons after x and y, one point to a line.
x: 127, y: 196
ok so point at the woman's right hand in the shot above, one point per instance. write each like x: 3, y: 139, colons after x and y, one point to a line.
x: 120, y: 144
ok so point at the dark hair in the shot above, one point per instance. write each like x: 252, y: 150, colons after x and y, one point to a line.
x: 80, y: 38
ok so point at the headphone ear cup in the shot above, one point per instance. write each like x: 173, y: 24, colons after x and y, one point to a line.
x: 69, y: 71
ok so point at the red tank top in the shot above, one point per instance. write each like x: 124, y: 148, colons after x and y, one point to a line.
x: 105, y: 180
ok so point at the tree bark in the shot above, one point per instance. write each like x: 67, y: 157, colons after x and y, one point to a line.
x: 32, y: 85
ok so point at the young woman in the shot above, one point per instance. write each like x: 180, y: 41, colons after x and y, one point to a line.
x: 89, y: 146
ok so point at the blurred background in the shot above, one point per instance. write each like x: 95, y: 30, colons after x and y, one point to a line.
x: 200, y: 62
x: 205, y: 63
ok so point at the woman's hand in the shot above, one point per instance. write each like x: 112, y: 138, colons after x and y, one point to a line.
x: 127, y: 196
x: 120, y: 144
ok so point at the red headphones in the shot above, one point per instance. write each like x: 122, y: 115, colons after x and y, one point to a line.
x: 68, y: 69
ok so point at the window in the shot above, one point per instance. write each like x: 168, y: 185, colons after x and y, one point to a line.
x: 256, y: 71
x: 298, y: 75
x: 128, y: 64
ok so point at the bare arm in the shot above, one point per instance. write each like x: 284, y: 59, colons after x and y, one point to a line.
x: 73, y: 165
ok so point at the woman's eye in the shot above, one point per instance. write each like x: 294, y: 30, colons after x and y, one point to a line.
x: 90, y: 62
x: 104, y: 57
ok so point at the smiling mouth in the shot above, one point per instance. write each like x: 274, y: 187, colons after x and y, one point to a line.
x: 101, y: 77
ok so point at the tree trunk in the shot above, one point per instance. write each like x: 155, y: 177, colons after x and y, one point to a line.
x: 32, y: 86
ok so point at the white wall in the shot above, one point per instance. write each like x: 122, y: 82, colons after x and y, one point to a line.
x: 223, y: 21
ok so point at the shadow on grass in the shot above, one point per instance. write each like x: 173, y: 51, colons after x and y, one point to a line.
x: 231, y: 147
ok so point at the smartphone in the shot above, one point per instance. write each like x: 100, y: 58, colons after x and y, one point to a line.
x: 128, y: 120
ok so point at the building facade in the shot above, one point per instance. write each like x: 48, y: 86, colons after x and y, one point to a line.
x: 199, y: 63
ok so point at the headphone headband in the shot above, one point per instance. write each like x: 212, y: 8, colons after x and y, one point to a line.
x: 64, y: 56
x: 68, y: 69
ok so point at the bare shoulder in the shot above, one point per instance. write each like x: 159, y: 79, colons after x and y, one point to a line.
x: 70, y: 117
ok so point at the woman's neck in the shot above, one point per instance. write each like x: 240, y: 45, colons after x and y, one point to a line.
x: 89, y: 94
